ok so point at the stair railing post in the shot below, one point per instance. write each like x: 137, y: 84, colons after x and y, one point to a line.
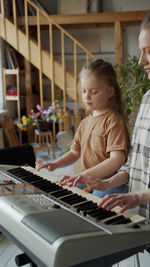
x: 39, y: 57
x: 52, y: 70
x: 3, y: 26
x: 51, y: 61
x: 118, y: 45
x: 66, y: 126
x: 27, y: 26
x: 15, y: 22
x: 75, y: 83
x: 87, y: 58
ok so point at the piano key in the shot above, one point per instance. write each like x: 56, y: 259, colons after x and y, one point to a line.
x: 17, y: 170
x: 74, y: 201
x: 98, y: 212
x: 65, y: 198
x: 30, y: 179
x: 118, y: 220
x: 39, y: 182
x: 61, y: 193
x: 86, y: 206
x: 47, y: 187
x: 105, y: 215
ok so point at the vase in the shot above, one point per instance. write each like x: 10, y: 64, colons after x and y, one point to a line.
x: 43, y: 125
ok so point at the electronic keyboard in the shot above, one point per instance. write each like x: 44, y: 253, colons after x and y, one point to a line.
x: 57, y: 226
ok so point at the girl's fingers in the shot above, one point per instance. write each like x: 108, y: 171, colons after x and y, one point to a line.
x: 64, y: 179
x: 88, y: 188
x: 77, y: 180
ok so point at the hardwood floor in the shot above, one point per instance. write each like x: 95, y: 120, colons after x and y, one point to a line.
x: 8, y: 251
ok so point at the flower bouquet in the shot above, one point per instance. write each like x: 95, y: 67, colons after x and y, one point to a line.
x: 43, y: 117
x: 26, y: 124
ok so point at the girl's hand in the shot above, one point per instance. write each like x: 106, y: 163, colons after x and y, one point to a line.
x: 41, y: 164
x: 94, y: 183
x: 68, y: 180
x: 90, y: 182
x: 126, y: 201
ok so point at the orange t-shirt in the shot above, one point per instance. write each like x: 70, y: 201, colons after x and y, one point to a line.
x: 99, y: 135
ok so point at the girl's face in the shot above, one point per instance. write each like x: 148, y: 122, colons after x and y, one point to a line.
x: 95, y: 93
x: 144, y: 46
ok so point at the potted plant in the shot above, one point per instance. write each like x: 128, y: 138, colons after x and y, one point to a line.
x: 134, y: 84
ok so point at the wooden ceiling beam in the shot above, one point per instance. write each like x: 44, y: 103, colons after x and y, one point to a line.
x: 94, y: 18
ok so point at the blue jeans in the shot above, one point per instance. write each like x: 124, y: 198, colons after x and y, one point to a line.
x: 118, y: 189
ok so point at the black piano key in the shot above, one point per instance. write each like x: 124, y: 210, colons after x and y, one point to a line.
x: 78, y: 199
x: 61, y: 193
x: 40, y: 183
x: 118, y: 220
x: 37, y: 181
x: 69, y: 197
x: 30, y: 179
x: 47, y: 187
x: 73, y: 199
x: 23, y: 174
x: 123, y: 221
x: 88, y: 205
x: 105, y: 215
x: 96, y: 212
x: 18, y: 171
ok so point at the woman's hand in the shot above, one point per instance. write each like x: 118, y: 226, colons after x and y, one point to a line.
x: 41, y: 164
x: 126, y: 201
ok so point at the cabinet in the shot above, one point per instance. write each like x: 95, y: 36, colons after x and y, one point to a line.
x: 12, y: 88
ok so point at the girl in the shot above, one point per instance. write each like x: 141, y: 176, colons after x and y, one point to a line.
x: 102, y: 139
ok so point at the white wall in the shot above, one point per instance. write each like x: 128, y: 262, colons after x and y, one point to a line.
x: 130, y: 34
x: 125, y: 5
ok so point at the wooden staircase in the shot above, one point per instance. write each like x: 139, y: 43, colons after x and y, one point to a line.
x: 21, y: 40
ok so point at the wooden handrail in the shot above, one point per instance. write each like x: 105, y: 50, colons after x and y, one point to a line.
x: 91, y: 18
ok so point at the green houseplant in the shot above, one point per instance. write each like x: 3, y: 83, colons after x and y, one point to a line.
x: 134, y: 84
